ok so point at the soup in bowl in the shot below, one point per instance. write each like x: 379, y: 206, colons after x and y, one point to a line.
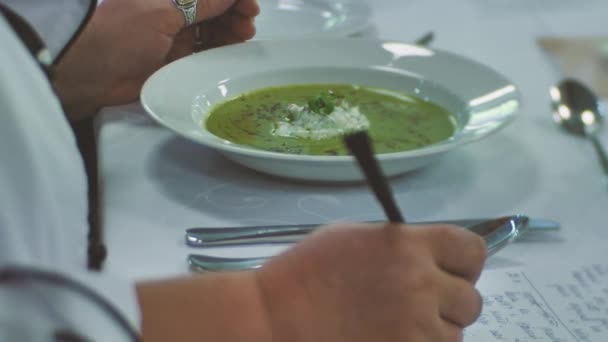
x: 282, y: 107
x: 312, y: 119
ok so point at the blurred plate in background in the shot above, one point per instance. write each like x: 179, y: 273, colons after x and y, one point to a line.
x: 280, y: 19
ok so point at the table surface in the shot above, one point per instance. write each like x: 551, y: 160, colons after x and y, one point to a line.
x: 157, y: 184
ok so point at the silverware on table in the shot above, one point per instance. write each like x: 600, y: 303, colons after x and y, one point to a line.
x: 496, y: 232
x: 292, y: 233
x: 577, y: 109
x: 425, y: 39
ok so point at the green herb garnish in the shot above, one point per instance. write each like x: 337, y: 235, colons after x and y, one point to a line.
x: 323, y: 104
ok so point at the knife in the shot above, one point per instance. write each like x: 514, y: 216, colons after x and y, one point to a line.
x: 270, y: 234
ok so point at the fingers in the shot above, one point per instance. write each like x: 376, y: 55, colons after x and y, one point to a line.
x: 456, y: 250
x: 247, y: 8
x: 461, y: 255
x: 220, y: 22
x: 217, y: 34
x: 459, y: 303
x: 451, y: 332
x: 229, y: 28
x: 221, y: 31
x: 183, y: 44
x: 240, y: 26
x: 208, y: 9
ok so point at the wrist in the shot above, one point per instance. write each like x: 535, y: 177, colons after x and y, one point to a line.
x: 287, y: 302
x: 255, y: 315
x: 73, y: 83
x: 212, y: 307
x: 76, y: 104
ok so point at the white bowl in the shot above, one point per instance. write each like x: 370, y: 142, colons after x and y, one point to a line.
x: 180, y: 95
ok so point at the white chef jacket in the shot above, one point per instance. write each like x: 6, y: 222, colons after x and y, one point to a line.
x: 55, y: 21
x: 43, y: 187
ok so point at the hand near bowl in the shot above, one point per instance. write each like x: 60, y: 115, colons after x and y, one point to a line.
x: 126, y: 41
x: 349, y: 283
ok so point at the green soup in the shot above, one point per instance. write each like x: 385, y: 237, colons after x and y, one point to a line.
x: 397, y: 122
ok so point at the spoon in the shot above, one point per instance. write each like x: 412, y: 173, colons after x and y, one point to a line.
x: 577, y: 109
x: 201, y: 237
x: 497, y: 233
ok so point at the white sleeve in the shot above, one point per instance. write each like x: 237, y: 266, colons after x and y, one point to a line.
x: 43, y: 194
x: 119, y: 292
x: 35, y: 303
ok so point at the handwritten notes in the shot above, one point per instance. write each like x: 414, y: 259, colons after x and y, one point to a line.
x: 558, y: 305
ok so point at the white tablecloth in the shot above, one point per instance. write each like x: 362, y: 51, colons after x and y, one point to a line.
x: 157, y: 184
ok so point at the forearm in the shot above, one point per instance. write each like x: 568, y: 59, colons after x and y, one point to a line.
x: 114, y: 54
x: 75, y: 106
x: 75, y: 78
x: 216, y: 307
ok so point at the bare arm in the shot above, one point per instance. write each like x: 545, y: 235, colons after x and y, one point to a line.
x: 355, y: 283
x: 214, y: 307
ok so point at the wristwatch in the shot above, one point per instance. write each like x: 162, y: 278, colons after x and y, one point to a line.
x: 188, y: 8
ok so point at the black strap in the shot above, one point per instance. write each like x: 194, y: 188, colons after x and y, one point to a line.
x: 29, y: 37
x: 85, y: 133
x: 83, y: 24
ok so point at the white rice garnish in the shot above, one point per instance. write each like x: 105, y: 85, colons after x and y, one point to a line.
x: 308, y: 124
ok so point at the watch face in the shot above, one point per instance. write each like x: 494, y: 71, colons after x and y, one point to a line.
x: 185, y: 2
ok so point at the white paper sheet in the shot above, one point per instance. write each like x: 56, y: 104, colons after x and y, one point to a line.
x: 541, y: 304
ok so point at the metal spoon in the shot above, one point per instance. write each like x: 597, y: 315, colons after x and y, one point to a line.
x: 202, y: 237
x: 577, y: 109
x: 496, y: 232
